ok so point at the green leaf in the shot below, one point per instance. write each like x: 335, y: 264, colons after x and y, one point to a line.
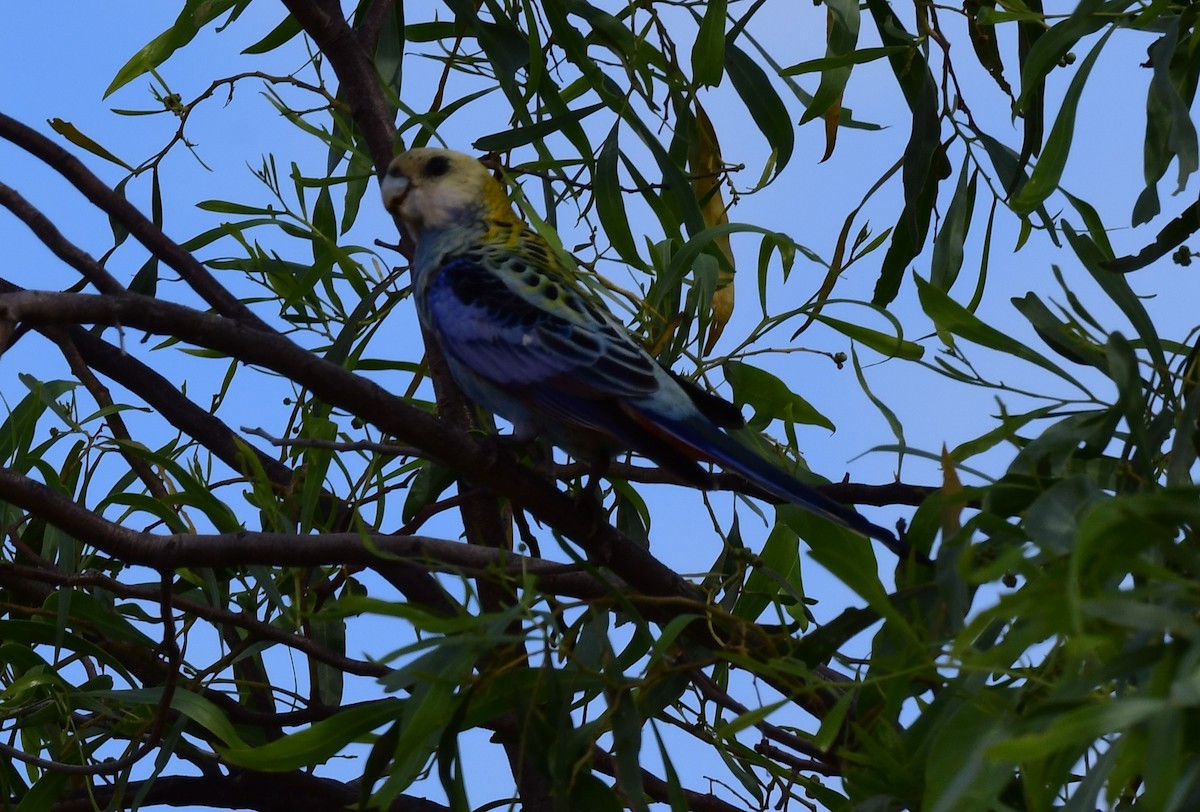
x: 831, y: 726
x: 848, y: 556
x: 676, y: 797
x: 911, y: 69
x: 428, y: 717
x: 228, y: 207
x: 195, y: 707
x: 319, y: 742
x: 1116, y: 287
x: 195, y: 15
x: 68, y: 131
x: 280, y: 34
x: 1011, y: 172
x: 778, y: 564
x: 1052, y: 521
x: 627, y: 746
x: 610, y: 202
x: 859, y: 57
x: 45, y: 793
x: 921, y: 178
x: 952, y: 317
x: 1030, y: 30
x: 1078, y: 728
x: 762, y: 102
x: 431, y: 482
x: 894, y: 423
x: 1065, y: 339
x: 106, y: 618
x: 708, y: 51
x: 590, y: 794
x: 358, y: 179
x: 1095, y: 226
x: 519, y: 136
x: 192, y: 490
x: 892, y: 346
x: 37, y: 633
x: 924, y: 161
x: 1170, y: 132
x: 960, y: 773
x: 947, y: 257
x: 1049, y: 168
x: 749, y: 719
x: 983, y: 40
x: 324, y: 222
x: 685, y: 258
x: 1048, y: 50
x: 770, y: 398
x: 17, y: 431
x: 842, y: 38
x: 49, y: 393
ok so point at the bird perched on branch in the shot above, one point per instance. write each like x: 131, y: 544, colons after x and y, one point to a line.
x: 523, y: 339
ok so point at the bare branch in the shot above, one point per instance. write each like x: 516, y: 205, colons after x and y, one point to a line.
x: 333, y: 445
x: 714, y: 693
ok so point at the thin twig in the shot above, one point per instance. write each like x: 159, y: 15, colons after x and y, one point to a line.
x: 335, y: 445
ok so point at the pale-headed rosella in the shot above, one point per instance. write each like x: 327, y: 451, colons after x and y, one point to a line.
x: 524, y: 339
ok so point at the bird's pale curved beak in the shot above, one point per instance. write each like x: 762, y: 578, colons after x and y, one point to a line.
x: 394, y: 188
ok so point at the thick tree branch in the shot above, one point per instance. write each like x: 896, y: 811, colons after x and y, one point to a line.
x: 358, y: 81
x: 373, y: 19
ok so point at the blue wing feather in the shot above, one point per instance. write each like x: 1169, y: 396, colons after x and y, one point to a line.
x: 504, y: 334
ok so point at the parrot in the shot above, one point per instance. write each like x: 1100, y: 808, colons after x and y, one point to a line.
x: 525, y: 340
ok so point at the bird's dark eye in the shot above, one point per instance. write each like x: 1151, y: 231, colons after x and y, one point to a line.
x: 436, y: 166
x: 394, y: 172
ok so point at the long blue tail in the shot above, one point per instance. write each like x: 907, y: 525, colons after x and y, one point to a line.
x: 709, y: 442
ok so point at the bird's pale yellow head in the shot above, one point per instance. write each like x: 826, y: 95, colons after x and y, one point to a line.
x: 434, y: 189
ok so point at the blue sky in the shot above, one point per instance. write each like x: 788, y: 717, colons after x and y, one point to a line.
x: 63, y: 74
